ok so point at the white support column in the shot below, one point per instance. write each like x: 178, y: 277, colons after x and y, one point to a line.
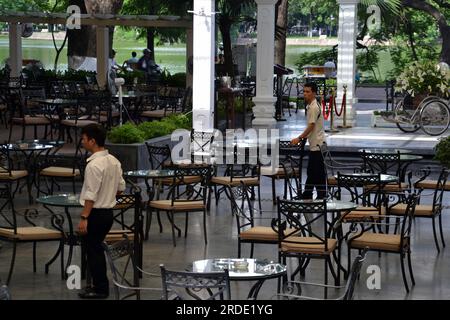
x: 264, y: 100
x: 203, y: 77
x: 102, y: 56
x: 189, y: 56
x: 346, y: 64
x: 15, y: 48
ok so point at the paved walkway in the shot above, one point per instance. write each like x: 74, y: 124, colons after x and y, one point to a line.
x: 363, y: 135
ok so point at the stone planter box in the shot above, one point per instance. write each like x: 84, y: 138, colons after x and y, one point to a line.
x: 135, y: 156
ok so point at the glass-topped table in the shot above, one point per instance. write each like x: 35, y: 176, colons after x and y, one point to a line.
x: 384, y: 178
x: 31, y: 150
x: 405, y: 155
x: 70, y: 200
x: 243, y: 269
x: 65, y: 201
x: 150, y: 174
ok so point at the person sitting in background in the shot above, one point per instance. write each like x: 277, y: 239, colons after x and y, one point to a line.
x: 132, y: 63
x: 146, y: 64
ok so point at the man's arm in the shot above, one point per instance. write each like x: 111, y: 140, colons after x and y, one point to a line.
x: 304, y: 134
x: 82, y: 226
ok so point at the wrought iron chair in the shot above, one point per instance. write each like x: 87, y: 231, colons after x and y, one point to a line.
x: 55, y: 166
x: 248, y: 232
x: 159, y: 158
x: 332, y: 166
x: 285, y: 99
x: 397, y: 243
x: 202, y: 146
x: 192, y: 199
x: 308, y: 235
x: 388, y: 164
x: 432, y: 211
x: 11, y: 169
x: 182, y: 285
x: 26, y: 113
x: 121, y: 260
x: 289, y: 154
x: 348, y: 289
x: 11, y: 231
x: 365, y: 191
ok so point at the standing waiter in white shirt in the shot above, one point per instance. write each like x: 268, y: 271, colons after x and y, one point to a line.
x: 102, y: 182
x: 316, y: 137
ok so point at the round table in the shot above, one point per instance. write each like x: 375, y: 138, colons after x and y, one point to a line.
x: 31, y: 150
x: 384, y: 178
x: 65, y: 201
x: 243, y: 269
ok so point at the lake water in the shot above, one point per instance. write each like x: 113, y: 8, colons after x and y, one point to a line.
x: 171, y: 57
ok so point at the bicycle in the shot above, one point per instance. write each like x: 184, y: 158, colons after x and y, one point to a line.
x: 432, y: 115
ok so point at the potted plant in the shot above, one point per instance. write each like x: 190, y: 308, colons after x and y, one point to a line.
x: 443, y: 152
x: 127, y: 142
x: 423, y: 78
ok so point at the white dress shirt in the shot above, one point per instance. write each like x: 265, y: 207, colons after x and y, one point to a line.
x: 102, y: 179
x: 317, y: 136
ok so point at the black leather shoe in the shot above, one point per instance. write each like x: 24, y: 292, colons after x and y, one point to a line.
x: 92, y: 295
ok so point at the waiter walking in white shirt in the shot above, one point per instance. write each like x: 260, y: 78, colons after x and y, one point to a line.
x: 102, y: 182
x: 316, y: 137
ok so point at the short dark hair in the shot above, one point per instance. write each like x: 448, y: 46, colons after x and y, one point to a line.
x: 133, y: 54
x: 95, y: 131
x: 311, y: 85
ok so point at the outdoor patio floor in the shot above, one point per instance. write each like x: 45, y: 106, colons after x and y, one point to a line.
x: 431, y: 270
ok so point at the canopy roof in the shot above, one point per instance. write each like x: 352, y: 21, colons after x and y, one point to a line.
x: 99, y: 19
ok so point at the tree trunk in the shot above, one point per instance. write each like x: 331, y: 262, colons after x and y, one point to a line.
x: 225, y: 28
x: 410, y: 32
x: 444, y: 28
x: 83, y: 42
x: 77, y: 38
x: 151, y: 42
x: 280, y: 39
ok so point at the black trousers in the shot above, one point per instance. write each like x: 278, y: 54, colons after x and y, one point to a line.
x: 316, y: 176
x: 100, y: 222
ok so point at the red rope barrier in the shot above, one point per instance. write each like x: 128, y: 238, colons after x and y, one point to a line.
x: 343, y: 105
x: 326, y: 112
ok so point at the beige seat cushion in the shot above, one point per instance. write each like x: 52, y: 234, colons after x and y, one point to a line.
x: 178, y: 205
x: 431, y: 184
x: 364, y: 213
x: 226, y: 181
x: 186, y: 180
x: 60, y: 172
x: 260, y: 233
x: 422, y: 210
x: 308, y: 245
x: 77, y: 123
x: 332, y: 181
x: 117, y: 235
x: 31, y: 233
x: 28, y: 120
x: 278, y: 173
x: 391, y: 187
x: 15, y: 174
x: 380, y: 241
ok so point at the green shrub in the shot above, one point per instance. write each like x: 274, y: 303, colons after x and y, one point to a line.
x: 155, y: 129
x: 443, y: 152
x: 183, y: 121
x: 128, y: 133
